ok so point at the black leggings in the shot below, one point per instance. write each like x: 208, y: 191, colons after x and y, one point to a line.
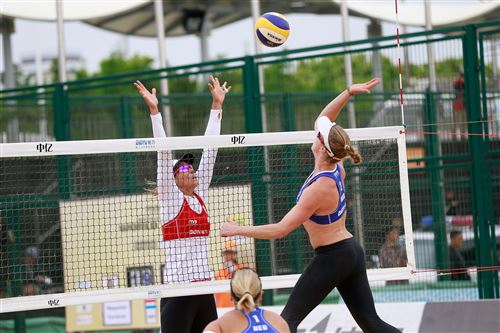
x: 187, y: 314
x: 340, y: 265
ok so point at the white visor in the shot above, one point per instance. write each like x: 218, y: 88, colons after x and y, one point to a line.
x: 323, y: 126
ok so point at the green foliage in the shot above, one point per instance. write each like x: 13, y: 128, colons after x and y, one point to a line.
x: 323, y: 74
x: 118, y: 63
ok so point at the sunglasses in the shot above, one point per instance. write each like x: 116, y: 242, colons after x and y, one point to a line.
x: 182, y: 169
x: 320, y: 138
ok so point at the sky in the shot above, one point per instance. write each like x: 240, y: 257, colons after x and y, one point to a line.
x: 233, y: 40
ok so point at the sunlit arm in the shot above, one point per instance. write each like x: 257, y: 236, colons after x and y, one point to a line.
x: 333, y: 108
x: 306, y: 207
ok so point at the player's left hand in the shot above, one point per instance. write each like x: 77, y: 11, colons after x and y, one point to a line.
x: 218, y: 92
x: 229, y: 228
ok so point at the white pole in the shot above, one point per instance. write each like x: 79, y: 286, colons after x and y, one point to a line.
x: 60, y: 37
x: 206, y: 27
x: 258, y: 49
x: 7, y: 28
x: 430, y: 47
x: 255, y: 15
x: 42, y: 124
x: 269, y: 204
x: 357, y: 207
x: 160, y: 33
x: 347, y: 59
x: 204, y: 33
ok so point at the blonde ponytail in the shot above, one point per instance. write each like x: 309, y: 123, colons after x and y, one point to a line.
x: 246, y: 289
x: 246, y: 303
x: 340, y: 144
x: 353, y: 154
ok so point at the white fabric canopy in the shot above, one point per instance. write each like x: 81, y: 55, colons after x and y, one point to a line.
x: 45, y: 10
x: 411, y: 12
x: 443, y: 12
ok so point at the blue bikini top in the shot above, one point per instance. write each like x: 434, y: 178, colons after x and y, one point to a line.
x: 336, y: 175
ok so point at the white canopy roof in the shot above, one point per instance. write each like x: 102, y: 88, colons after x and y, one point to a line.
x: 45, y: 10
x: 135, y: 16
x: 443, y: 12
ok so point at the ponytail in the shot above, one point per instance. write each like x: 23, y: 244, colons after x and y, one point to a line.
x: 340, y: 145
x: 245, y: 289
x: 246, y: 303
x: 353, y: 154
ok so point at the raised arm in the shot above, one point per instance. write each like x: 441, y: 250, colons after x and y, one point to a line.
x: 207, y: 162
x: 164, y: 177
x: 333, y: 108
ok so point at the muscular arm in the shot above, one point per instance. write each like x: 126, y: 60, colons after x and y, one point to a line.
x: 333, y: 108
x: 307, y: 205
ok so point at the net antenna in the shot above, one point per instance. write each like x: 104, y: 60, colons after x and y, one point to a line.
x: 110, y: 231
x: 400, y: 70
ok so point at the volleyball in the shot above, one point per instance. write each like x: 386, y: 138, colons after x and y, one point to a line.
x: 272, y: 29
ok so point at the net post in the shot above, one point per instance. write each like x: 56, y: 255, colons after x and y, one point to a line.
x: 256, y: 163
x: 480, y: 181
x: 433, y: 150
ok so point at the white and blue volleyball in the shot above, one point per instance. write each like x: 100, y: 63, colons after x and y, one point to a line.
x: 272, y: 29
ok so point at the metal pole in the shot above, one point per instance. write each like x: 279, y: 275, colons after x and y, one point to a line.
x: 258, y: 49
x: 60, y: 37
x: 347, y: 58
x: 406, y: 54
x: 430, y: 48
x: 437, y: 175
x: 7, y: 28
x: 357, y: 206
x: 495, y: 56
x: 203, y: 35
x: 160, y: 33
x: 255, y: 5
x: 375, y: 30
x: 42, y: 124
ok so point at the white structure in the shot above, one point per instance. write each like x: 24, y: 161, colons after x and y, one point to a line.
x: 38, y: 67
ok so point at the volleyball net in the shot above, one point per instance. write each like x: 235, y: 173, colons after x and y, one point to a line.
x: 88, y: 226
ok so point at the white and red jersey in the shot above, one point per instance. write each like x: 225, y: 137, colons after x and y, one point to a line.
x: 186, y: 227
x: 187, y: 223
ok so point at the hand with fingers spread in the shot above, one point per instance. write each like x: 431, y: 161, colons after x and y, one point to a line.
x: 360, y: 88
x: 218, y: 92
x: 149, y: 97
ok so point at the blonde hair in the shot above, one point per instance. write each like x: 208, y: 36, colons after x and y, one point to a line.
x: 245, y: 289
x: 340, y: 144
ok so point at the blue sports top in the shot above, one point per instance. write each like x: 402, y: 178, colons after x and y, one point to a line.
x: 257, y: 323
x: 336, y: 175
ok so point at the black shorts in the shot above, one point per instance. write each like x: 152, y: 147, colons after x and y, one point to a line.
x: 187, y: 314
